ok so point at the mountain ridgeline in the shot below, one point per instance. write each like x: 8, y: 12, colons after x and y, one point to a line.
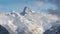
x: 30, y: 22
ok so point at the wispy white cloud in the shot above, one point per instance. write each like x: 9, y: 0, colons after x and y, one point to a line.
x: 57, y: 11
x: 44, y: 5
x: 39, y: 3
x: 52, y: 6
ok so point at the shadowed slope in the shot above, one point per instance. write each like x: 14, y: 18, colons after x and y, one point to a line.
x: 3, y: 30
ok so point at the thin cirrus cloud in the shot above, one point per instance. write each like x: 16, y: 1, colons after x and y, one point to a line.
x: 52, y: 6
x: 57, y: 11
x: 45, y: 5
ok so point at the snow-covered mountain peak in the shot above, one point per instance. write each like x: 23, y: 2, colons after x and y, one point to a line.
x: 26, y: 11
x: 12, y: 14
x: 28, y: 22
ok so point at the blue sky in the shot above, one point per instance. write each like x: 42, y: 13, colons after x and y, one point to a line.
x: 18, y: 5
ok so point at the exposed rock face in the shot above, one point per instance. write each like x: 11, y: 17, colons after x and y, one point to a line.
x: 25, y: 11
x: 53, y: 30
x: 3, y: 30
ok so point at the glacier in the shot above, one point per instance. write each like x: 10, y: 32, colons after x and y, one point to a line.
x: 30, y: 22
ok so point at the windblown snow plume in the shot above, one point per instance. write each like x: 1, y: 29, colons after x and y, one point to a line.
x: 29, y: 22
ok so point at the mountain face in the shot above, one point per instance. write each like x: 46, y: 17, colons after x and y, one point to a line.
x: 3, y: 30
x: 29, y: 22
x: 25, y: 11
x: 53, y: 30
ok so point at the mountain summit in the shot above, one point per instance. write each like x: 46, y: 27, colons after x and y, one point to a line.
x: 25, y: 11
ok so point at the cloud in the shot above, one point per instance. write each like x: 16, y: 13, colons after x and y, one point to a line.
x: 39, y: 3
x: 54, y: 2
x: 43, y: 4
x: 54, y: 12
x: 53, y: 6
x: 57, y: 4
